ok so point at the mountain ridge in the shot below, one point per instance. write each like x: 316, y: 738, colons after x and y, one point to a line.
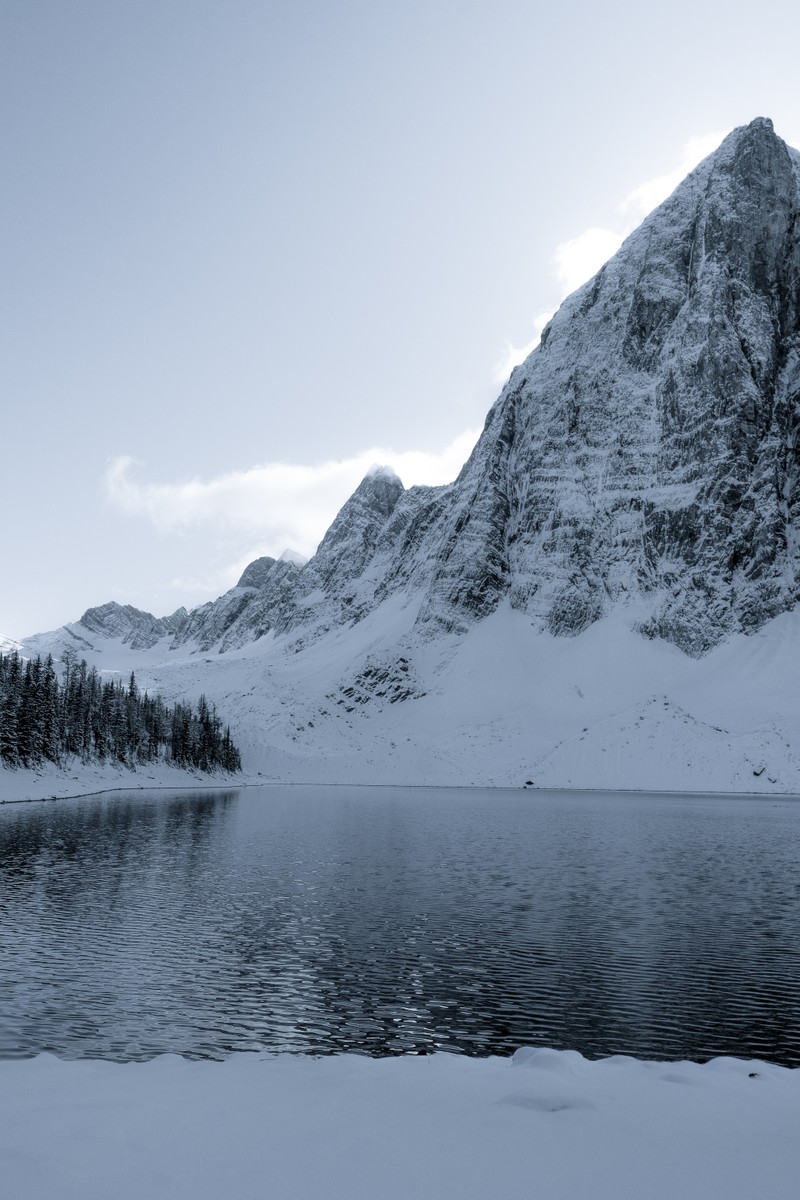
x: 646, y: 450
x: 632, y: 500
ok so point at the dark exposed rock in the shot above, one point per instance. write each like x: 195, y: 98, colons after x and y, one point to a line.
x: 392, y: 682
x: 257, y: 573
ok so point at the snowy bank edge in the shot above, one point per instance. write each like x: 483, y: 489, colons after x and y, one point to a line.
x: 21, y: 786
x: 187, y: 783
x: 545, y: 1122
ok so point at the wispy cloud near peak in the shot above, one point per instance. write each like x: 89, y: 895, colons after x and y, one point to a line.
x: 579, y: 258
x: 280, y: 504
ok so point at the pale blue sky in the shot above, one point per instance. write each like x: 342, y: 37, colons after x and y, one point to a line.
x: 239, y: 233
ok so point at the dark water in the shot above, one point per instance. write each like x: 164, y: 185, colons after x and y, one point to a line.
x: 393, y: 920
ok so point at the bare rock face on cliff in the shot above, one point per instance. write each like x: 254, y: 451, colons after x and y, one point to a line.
x: 653, y: 434
x: 646, y: 451
x: 645, y: 454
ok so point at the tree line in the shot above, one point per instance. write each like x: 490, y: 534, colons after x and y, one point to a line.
x: 44, y: 719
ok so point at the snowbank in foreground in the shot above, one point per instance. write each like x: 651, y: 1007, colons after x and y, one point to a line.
x: 545, y: 1124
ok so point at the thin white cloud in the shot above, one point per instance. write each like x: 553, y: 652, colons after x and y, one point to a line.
x: 277, y: 505
x: 513, y: 355
x: 581, y: 257
x: 576, y: 260
x: 648, y: 195
x: 216, y: 580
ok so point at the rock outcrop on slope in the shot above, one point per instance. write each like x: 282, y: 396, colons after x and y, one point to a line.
x: 646, y: 453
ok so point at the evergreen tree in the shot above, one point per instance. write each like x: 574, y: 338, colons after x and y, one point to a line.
x: 41, y: 720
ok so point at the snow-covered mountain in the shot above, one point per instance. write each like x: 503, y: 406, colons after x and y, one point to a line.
x: 637, y: 476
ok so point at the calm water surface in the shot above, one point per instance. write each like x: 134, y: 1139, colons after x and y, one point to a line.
x: 396, y: 920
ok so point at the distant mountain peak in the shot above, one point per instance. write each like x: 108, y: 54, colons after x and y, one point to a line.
x: 140, y: 630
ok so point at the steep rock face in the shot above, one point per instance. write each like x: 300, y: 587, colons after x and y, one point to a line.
x: 262, y: 610
x: 352, y: 539
x: 647, y: 449
x: 211, y: 622
x: 330, y: 589
x: 656, y: 425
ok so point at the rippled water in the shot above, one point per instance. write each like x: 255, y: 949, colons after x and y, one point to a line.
x: 391, y: 920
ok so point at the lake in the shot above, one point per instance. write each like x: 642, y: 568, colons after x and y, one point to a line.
x: 395, y: 920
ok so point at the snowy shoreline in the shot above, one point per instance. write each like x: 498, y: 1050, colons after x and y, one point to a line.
x: 42, y: 787
x: 545, y: 1123
x: 31, y: 785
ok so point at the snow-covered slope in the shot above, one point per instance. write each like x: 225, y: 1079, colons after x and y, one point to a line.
x: 579, y: 605
x: 501, y: 704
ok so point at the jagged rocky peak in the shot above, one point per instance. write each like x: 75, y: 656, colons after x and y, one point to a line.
x: 380, y: 471
x: 256, y: 573
x: 645, y: 452
x: 351, y: 540
x: 140, y: 630
x: 249, y: 610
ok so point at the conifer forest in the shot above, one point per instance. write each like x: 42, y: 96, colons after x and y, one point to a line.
x: 44, y: 719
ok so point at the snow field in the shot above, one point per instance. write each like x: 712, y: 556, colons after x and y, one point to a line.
x: 544, y: 1124
x: 494, y: 707
x: 503, y: 703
